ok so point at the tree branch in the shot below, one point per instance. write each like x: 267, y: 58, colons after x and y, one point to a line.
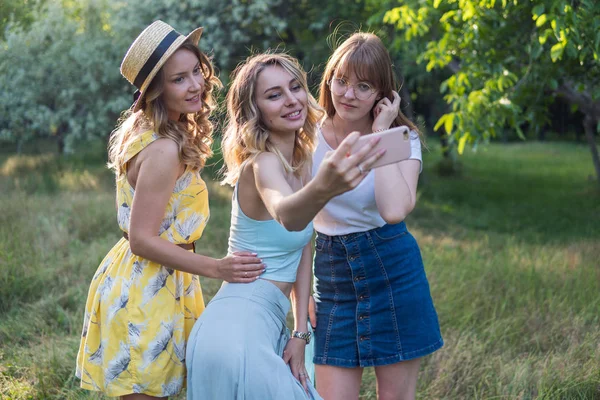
x: 582, y: 99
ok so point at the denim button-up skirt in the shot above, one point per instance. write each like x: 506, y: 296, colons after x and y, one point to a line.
x: 235, y: 348
x: 373, y: 301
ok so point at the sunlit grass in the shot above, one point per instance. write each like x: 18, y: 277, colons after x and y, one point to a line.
x: 511, y: 247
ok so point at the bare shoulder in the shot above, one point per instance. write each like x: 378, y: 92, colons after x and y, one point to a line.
x: 163, y: 149
x: 266, y: 162
x: 265, y: 158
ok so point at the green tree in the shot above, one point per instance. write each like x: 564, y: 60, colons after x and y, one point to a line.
x: 60, y: 77
x: 233, y: 29
x: 17, y: 13
x: 59, y: 74
x: 509, y: 60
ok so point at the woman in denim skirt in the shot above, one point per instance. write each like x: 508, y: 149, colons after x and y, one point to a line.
x: 373, y: 304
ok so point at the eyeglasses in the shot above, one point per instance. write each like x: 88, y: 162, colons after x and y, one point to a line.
x: 362, y: 90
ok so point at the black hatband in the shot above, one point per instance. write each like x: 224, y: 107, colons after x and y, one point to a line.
x: 155, y: 57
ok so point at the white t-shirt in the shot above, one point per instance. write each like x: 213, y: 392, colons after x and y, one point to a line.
x: 356, y: 210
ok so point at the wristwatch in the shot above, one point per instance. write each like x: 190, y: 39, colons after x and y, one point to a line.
x: 302, y: 335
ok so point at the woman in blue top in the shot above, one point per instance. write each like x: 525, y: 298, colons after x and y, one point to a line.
x: 239, y: 347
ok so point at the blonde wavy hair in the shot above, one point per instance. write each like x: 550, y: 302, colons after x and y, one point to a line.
x: 364, y: 54
x: 246, y: 135
x: 192, y: 132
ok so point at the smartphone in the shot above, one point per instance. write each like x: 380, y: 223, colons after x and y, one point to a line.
x: 396, y: 141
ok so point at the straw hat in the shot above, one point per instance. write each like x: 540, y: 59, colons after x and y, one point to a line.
x: 149, y: 52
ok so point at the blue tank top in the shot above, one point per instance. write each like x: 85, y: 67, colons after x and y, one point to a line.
x: 279, y: 248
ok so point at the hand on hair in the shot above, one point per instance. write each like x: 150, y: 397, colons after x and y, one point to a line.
x: 385, y: 112
x: 342, y: 170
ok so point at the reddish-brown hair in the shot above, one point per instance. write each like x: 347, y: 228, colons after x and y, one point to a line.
x: 365, y: 55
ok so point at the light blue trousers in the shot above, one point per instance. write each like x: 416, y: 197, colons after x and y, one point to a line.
x: 235, y: 349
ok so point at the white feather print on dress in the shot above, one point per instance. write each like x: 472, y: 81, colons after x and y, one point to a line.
x: 105, y: 288
x: 154, y: 285
x: 97, y: 356
x: 158, y: 345
x: 183, y: 182
x: 126, y: 193
x: 173, y: 387
x: 166, y: 223
x: 123, y: 216
x: 170, y: 215
x: 170, y: 236
x: 119, y: 303
x: 118, y: 364
x: 135, y: 333
x: 136, y: 272
x: 103, y: 267
x: 140, y: 388
x: 179, y: 350
x: 189, y: 225
x: 178, y: 286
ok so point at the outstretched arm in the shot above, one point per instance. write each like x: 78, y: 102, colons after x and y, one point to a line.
x: 337, y: 174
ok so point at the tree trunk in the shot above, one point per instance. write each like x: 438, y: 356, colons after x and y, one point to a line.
x: 60, y: 137
x: 542, y: 134
x: 445, y: 146
x: 60, y: 143
x: 588, y: 125
x: 591, y: 109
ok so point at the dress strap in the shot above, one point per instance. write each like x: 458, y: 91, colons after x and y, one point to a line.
x: 140, y: 143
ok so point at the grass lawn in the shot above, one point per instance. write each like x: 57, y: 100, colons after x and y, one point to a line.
x: 511, y: 247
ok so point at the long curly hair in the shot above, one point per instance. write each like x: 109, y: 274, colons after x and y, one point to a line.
x: 192, y: 132
x: 246, y: 135
x: 364, y: 54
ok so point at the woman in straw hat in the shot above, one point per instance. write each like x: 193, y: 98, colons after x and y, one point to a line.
x: 240, y: 345
x: 146, y: 296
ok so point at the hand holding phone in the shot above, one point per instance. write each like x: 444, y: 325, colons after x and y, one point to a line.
x: 396, y: 142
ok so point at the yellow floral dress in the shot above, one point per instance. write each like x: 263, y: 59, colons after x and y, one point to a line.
x: 139, y: 313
